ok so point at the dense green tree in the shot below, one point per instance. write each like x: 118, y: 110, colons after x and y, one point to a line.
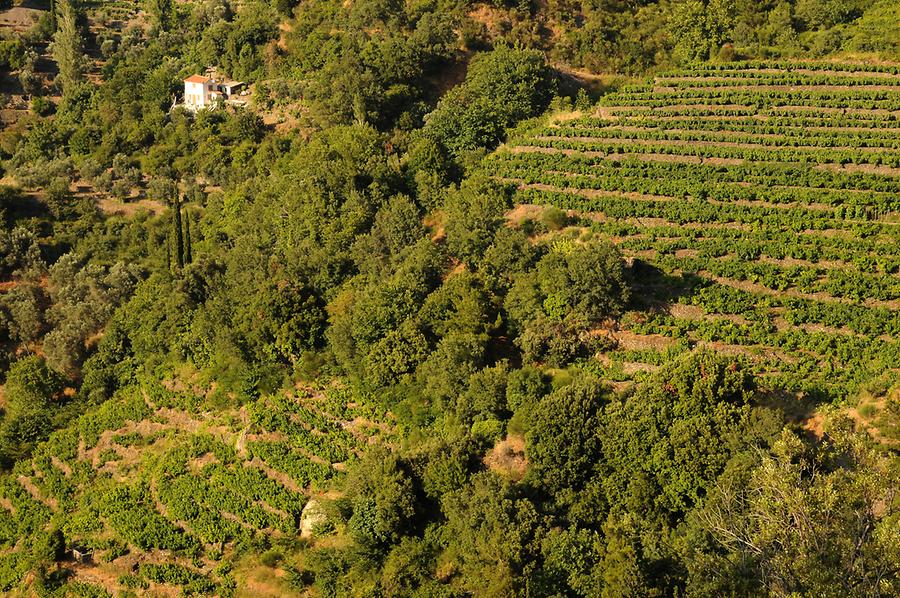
x: 446, y: 372
x: 177, y: 233
x: 68, y: 44
x: 26, y: 304
x: 493, y: 534
x: 29, y: 392
x: 555, y: 308
x: 475, y: 212
x: 30, y: 385
x: 700, y: 28
x: 162, y: 13
x: 383, y: 500
x: 804, y: 520
x: 564, y: 439
x: 667, y: 444
x: 51, y: 548
x: 12, y: 54
x: 281, y: 320
x: 408, y: 570
x: 188, y: 252
x: 84, y: 297
x: 501, y: 88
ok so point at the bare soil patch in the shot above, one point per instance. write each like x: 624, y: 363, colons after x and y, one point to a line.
x: 61, y: 465
x: 694, y: 312
x: 116, y: 207
x: 864, y: 168
x: 508, y: 458
x: 815, y: 425
x: 641, y: 342
x: 630, y: 368
x: 262, y: 582
x: 19, y: 18
x: 523, y: 212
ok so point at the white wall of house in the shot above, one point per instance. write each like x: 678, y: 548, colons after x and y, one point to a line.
x: 197, y: 95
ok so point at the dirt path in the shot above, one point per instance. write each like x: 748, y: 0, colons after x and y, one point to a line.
x: 704, y: 143
x: 753, y: 287
x: 36, y: 493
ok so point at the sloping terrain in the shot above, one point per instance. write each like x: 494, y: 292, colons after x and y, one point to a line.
x: 760, y: 201
x: 168, y: 491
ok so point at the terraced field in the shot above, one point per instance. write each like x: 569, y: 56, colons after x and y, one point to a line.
x: 762, y: 200
x: 167, y: 491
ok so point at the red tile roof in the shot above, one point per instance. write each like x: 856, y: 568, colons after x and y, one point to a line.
x: 197, y: 79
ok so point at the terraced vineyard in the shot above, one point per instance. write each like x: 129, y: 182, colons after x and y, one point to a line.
x: 761, y: 199
x: 168, y: 491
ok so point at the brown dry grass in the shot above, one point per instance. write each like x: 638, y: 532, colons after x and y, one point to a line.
x: 116, y: 207
x: 508, y: 458
x: 19, y: 18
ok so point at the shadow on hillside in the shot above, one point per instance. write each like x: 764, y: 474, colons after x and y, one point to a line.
x: 24, y: 206
x: 35, y: 4
x: 10, y: 84
x: 653, y: 290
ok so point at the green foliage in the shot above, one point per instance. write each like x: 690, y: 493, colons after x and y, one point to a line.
x: 51, y: 548
x: 564, y: 437
x: 493, y: 534
x: 383, y: 500
x: 67, y: 44
x: 162, y: 13
x: 353, y: 308
x: 12, y: 54
x: 476, y: 212
x: 698, y: 401
x: 501, y: 88
x: 700, y: 28
x: 823, y: 489
x: 554, y: 307
x: 30, y: 386
x: 42, y: 106
x: 237, y: 45
x: 189, y: 580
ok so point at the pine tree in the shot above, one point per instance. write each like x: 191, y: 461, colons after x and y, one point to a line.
x: 176, y: 229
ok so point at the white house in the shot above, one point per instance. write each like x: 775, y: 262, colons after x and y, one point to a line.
x: 198, y: 92
x: 202, y: 92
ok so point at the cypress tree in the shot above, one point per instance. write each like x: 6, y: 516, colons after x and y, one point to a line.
x: 176, y: 228
x: 188, y: 258
x: 68, y: 51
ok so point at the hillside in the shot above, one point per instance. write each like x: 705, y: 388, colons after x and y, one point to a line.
x: 452, y: 299
x: 758, y: 203
x: 170, y: 494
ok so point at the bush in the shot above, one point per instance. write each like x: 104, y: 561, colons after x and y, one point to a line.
x: 42, y: 106
x: 554, y: 219
x: 271, y: 558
